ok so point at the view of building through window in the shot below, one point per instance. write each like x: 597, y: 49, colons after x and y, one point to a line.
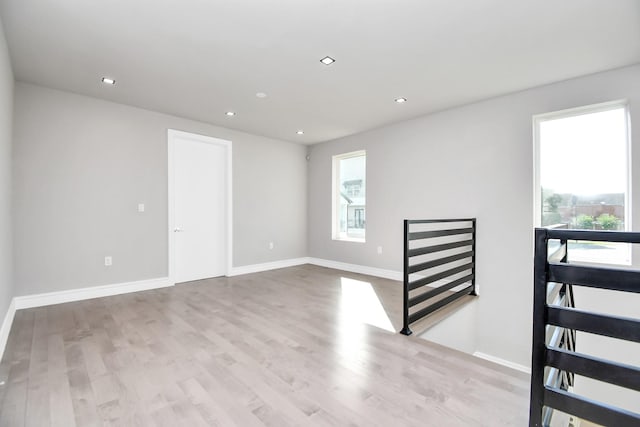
x: 583, y: 176
x: 349, y: 196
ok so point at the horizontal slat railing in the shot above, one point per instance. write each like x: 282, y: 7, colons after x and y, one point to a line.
x: 439, y: 304
x: 438, y: 233
x: 439, y: 248
x: 437, y: 291
x: 437, y: 260
x: 446, y: 260
x: 596, y: 236
x: 589, y: 409
x: 599, y: 369
x: 556, y: 320
x: 439, y: 276
x: 610, y: 326
x: 595, y: 277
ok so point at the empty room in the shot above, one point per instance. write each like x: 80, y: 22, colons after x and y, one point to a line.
x: 319, y: 213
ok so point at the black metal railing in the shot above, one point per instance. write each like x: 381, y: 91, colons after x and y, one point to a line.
x: 439, y: 255
x: 559, y: 295
x: 556, y: 320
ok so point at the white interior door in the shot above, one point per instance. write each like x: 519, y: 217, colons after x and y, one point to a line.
x: 199, y: 219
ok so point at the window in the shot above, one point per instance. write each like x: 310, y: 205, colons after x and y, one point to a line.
x: 349, y: 201
x: 582, y: 176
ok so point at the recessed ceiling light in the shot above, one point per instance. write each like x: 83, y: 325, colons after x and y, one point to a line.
x: 300, y: 132
x: 230, y: 113
x: 327, y: 60
x: 261, y: 95
x: 108, y: 81
x: 401, y: 100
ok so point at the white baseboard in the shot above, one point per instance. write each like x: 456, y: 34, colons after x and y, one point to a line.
x: 355, y: 268
x: 5, y: 328
x: 256, y: 268
x: 337, y: 265
x: 503, y: 362
x: 50, y: 298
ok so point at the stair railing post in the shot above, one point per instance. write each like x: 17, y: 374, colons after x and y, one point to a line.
x: 473, y: 257
x: 538, y: 353
x: 405, y: 311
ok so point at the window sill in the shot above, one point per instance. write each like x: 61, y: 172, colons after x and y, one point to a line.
x: 612, y: 263
x: 604, y: 255
x: 349, y: 239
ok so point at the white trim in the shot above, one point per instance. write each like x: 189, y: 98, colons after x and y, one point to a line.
x: 355, y: 268
x: 170, y: 213
x: 59, y: 297
x: 628, y: 214
x: 584, y: 109
x: 256, y: 268
x: 172, y: 135
x: 321, y: 262
x: 503, y: 362
x: 350, y: 239
x: 50, y: 298
x: 335, y: 195
x: 5, y: 328
x: 537, y: 194
x: 372, y: 271
x: 229, y: 206
x: 572, y: 112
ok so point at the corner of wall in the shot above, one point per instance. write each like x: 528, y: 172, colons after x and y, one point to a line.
x: 7, y: 87
x: 5, y: 327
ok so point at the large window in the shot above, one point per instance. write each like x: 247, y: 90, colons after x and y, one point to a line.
x: 349, y: 201
x: 582, y: 176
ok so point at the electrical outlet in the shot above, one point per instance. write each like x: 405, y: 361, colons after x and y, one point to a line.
x: 140, y: 207
x: 108, y: 261
x: 379, y: 250
x: 270, y: 245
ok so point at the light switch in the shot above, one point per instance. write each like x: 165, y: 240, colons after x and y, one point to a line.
x: 140, y: 207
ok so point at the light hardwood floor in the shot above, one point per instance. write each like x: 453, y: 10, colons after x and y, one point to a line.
x: 280, y: 348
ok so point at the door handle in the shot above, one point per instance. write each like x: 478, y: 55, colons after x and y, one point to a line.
x: 177, y: 230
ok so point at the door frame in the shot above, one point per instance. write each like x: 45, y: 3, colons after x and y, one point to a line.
x: 172, y: 137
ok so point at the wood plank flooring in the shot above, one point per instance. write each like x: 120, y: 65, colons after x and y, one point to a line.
x: 281, y: 348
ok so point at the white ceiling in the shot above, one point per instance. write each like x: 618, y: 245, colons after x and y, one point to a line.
x: 200, y: 58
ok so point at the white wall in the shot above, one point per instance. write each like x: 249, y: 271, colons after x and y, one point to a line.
x: 6, y: 121
x: 471, y: 161
x: 81, y: 166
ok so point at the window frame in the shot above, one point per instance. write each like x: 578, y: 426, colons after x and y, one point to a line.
x: 335, y: 196
x: 572, y: 112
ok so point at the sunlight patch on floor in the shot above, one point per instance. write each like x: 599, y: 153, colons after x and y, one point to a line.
x: 361, y: 304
